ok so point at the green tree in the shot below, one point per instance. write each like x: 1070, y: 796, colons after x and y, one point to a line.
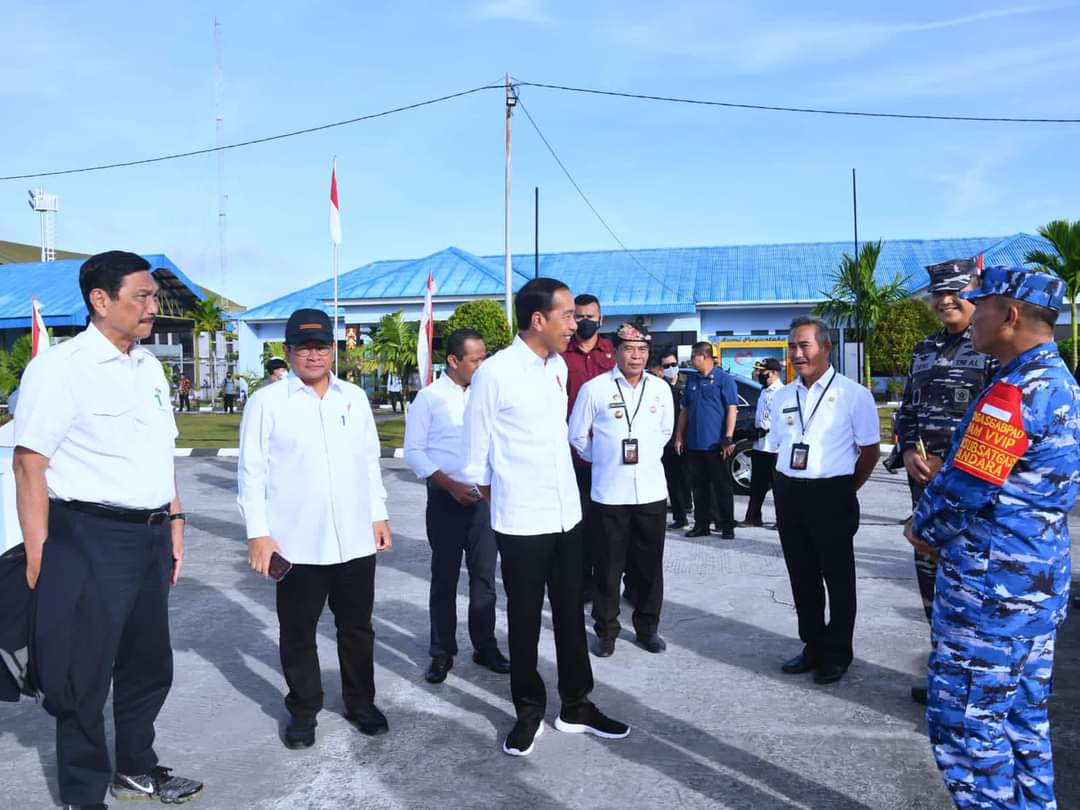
x: 486, y: 317
x: 206, y: 318
x: 393, y: 346
x: 1065, y: 238
x: 272, y: 349
x: 14, y: 362
x: 857, y: 298
x: 904, y: 324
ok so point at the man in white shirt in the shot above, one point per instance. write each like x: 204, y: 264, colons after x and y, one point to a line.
x: 393, y: 391
x: 94, y: 479
x: 620, y: 423
x: 516, y: 448
x: 828, y: 441
x: 763, y: 455
x: 458, y: 519
x: 310, y: 490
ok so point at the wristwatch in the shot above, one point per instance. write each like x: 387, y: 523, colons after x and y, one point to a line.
x: 727, y: 441
x: 178, y: 516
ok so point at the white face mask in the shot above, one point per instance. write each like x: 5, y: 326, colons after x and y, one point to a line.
x: 671, y: 373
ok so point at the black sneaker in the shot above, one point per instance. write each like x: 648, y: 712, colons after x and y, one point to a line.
x: 919, y: 695
x: 300, y: 733
x: 593, y: 721
x: 368, y: 719
x: 159, y: 783
x: 519, y: 742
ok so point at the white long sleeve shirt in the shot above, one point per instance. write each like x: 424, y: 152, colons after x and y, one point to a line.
x: 608, y: 409
x: 433, y: 429
x: 309, y: 471
x: 763, y: 417
x: 515, y: 439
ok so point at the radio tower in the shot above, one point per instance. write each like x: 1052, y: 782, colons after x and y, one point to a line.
x: 46, y: 205
x: 219, y: 127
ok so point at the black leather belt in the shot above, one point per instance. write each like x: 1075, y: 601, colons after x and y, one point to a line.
x: 148, y: 517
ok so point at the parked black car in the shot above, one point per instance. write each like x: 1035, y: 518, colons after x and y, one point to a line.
x: 739, y: 465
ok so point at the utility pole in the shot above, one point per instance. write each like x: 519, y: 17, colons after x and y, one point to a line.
x: 511, y: 102
x: 536, y: 233
x: 858, y: 267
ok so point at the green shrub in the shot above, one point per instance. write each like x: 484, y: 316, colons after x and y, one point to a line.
x: 486, y: 317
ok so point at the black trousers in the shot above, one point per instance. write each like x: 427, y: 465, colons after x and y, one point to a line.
x: 629, y: 537
x: 230, y: 401
x: 708, y: 473
x: 301, y: 596
x: 678, y: 484
x: 452, y: 530
x: 131, y: 565
x: 529, y: 564
x: 583, y: 473
x: 185, y: 402
x: 817, y: 520
x: 925, y: 565
x: 763, y: 465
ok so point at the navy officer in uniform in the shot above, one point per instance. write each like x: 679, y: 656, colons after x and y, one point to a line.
x: 94, y: 472
x: 947, y: 374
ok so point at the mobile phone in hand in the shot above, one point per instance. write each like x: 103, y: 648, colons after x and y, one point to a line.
x: 279, y: 567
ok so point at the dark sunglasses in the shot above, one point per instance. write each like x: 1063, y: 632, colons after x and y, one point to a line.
x: 671, y: 365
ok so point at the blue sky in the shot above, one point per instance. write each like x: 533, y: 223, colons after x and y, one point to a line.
x: 92, y: 83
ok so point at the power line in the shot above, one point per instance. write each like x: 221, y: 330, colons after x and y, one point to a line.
x: 254, y: 141
x: 592, y: 207
x: 807, y: 110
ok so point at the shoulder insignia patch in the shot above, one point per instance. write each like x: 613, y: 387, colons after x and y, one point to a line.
x: 995, y: 439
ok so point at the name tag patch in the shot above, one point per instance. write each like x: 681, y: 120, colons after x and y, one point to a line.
x: 995, y: 438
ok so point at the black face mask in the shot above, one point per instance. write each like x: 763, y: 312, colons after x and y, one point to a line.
x: 763, y: 379
x: 586, y: 328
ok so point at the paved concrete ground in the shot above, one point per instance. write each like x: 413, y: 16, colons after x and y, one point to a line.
x: 716, y: 724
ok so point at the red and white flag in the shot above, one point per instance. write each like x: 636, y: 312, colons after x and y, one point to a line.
x: 39, y: 335
x: 427, y: 334
x: 335, y: 210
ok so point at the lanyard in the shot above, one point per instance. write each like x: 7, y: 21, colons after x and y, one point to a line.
x: 641, y: 398
x: 810, y: 418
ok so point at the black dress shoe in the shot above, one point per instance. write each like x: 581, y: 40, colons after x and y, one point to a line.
x: 300, y: 733
x: 368, y: 719
x: 752, y: 523
x: 652, y: 643
x: 440, y: 665
x: 800, y: 663
x: 492, y: 659
x: 678, y: 524
x: 727, y: 534
x: 604, y: 647
x: 702, y: 531
x: 918, y: 694
x: 829, y: 673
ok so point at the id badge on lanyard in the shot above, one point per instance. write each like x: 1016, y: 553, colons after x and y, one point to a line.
x: 630, y: 445
x: 800, y: 451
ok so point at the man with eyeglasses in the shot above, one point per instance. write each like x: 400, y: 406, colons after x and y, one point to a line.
x: 312, y: 496
x: 587, y: 355
x: 666, y: 366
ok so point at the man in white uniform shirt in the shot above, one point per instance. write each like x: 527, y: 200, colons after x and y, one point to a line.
x: 621, y: 422
x: 828, y: 441
x: 763, y: 455
x: 94, y: 476
x: 458, y: 519
x: 516, y: 448
x: 310, y: 489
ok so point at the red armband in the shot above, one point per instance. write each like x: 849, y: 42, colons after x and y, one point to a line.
x: 995, y: 438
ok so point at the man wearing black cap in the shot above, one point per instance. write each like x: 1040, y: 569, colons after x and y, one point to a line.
x: 763, y: 455
x: 947, y: 374
x: 312, y: 496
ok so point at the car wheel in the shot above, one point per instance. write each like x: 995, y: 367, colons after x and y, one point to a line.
x: 739, y: 468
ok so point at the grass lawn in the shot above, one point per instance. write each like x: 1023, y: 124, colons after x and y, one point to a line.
x: 223, y: 430
x: 885, y: 417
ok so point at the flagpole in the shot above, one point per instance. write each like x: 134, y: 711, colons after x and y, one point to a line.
x: 335, y: 260
x: 511, y: 100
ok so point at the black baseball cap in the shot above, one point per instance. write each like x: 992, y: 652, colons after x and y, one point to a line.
x: 768, y: 364
x: 308, y: 326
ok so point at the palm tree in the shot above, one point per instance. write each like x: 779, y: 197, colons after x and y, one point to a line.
x: 13, y: 363
x: 394, y: 346
x: 207, y: 317
x: 1065, y: 237
x: 857, y: 297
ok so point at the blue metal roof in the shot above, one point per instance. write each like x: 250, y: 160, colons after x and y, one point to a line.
x: 56, y: 286
x: 654, y: 281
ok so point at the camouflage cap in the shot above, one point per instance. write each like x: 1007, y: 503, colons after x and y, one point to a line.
x: 629, y: 333
x: 1021, y: 284
x: 953, y: 275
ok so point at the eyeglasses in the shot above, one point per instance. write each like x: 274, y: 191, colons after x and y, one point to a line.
x: 308, y: 351
x: 671, y: 365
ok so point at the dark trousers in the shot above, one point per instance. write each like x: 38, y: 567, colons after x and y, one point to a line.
x: 185, y: 402
x: 709, y: 475
x: 629, y: 537
x: 230, y: 401
x: 395, y: 400
x: 925, y: 565
x: 583, y: 473
x: 817, y: 520
x: 678, y: 484
x: 301, y: 596
x: 452, y: 530
x: 762, y: 467
x: 529, y: 564
x: 131, y: 565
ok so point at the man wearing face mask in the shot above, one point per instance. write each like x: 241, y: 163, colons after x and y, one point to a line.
x: 666, y: 366
x: 764, y: 453
x: 946, y: 376
x: 587, y: 355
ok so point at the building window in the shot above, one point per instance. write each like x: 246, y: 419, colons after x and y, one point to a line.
x: 759, y: 331
x: 724, y: 333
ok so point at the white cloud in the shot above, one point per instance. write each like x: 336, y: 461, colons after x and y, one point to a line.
x: 517, y: 10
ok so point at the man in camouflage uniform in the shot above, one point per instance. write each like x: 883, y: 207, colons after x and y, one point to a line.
x: 946, y: 376
x: 997, y: 514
